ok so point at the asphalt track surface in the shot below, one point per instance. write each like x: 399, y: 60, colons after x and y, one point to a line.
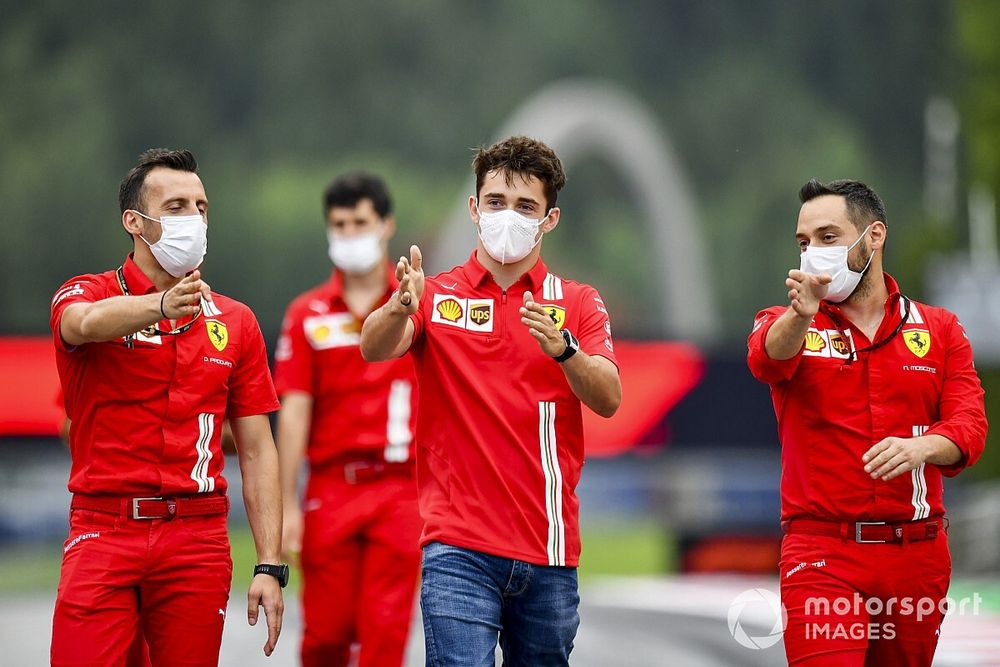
x: 624, y: 623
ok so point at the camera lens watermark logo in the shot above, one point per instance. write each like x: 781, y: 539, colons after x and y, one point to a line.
x: 759, y: 609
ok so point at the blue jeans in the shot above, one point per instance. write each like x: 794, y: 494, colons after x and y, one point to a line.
x: 470, y: 599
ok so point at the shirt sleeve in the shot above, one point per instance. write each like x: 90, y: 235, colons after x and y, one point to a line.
x: 81, y: 289
x: 251, y: 391
x: 419, y: 318
x: 762, y: 366
x: 962, y: 410
x: 595, y: 327
x: 293, y: 358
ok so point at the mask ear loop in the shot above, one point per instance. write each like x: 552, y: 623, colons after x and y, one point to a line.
x: 140, y: 213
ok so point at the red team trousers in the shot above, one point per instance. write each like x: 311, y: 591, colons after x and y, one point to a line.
x: 863, y: 605
x: 124, y: 579
x: 360, y: 563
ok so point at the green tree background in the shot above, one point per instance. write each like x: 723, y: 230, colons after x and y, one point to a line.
x: 275, y: 99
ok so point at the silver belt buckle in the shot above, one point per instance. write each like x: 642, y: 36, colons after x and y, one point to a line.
x: 861, y: 524
x: 135, y: 508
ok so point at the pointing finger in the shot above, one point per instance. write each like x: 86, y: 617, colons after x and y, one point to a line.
x: 416, y: 259
x: 528, y: 298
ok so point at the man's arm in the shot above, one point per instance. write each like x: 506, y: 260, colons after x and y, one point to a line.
x: 294, y: 422
x: 110, y: 319
x: 262, y: 496
x: 805, y: 291
x: 388, y: 332
x: 957, y: 439
x: 891, y: 457
x: 593, y: 378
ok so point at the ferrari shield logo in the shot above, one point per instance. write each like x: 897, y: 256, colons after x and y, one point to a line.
x: 218, y: 334
x: 918, y: 340
x: 557, y: 313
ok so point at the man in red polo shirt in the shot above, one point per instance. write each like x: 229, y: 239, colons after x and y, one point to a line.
x: 354, y: 422
x: 877, y: 399
x: 151, y: 363
x: 505, y: 352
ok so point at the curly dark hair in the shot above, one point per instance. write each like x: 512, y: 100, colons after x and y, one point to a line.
x: 522, y: 156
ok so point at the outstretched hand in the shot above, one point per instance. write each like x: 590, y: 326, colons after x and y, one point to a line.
x: 410, y: 274
x: 806, y: 290
x: 185, y: 297
x: 542, y: 327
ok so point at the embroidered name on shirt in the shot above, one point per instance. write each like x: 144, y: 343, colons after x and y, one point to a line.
x: 220, y: 362
x: 925, y: 369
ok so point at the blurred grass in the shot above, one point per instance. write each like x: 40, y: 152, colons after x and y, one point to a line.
x: 619, y: 549
x: 608, y: 549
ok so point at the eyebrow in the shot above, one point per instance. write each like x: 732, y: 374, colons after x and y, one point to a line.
x: 821, y: 229
x: 499, y: 195
x: 182, y: 200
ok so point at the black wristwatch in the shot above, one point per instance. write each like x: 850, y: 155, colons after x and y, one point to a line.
x: 572, y: 346
x: 279, y: 572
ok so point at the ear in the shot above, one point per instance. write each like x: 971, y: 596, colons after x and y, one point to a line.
x: 389, y: 227
x: 474, y: 209
x: 551, y: 222
x: 877, y: 234
x: 132, y: 222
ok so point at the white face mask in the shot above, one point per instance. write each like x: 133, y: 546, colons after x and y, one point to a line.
x: 355, y: 254
x: 507, y: 235
x: 182, y: 245
x: 833, y: 260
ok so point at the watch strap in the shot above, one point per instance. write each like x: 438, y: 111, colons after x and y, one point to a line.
x: 279, y: 572
x: 572, y: 346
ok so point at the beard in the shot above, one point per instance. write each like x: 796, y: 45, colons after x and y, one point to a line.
x: 862, y: 259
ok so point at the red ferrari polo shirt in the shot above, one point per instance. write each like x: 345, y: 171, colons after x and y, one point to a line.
x: 499, y: 429
x: 359, y: 409
x: 147, y: 411
x: 831, y: 408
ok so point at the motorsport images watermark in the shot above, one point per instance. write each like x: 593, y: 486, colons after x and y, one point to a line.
x: 855, y: 617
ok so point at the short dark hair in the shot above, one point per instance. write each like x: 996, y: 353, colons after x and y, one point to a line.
x: 521, y: 155
x: 350, y: 189
x: 130, y: 191
x: 864, y: 206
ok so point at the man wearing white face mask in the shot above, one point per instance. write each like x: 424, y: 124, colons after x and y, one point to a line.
x: 507, y: 353
x: 151, y: 363
x: 356, y: 531
x: 876, y: 398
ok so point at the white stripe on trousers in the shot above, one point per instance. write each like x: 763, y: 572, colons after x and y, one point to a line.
x: 556, y: 543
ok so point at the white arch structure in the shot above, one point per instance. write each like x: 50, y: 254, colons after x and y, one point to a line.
x: 580, y: 117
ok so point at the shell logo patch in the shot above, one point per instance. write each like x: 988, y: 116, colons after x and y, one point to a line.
x: 218, y: 334
x: 814, y: 341
x: 320, y: 333
x: 450, y: 309
x: 557, y: 313
x: 828, y: 343
x: 918, y: 340
x: 469, y: 314
x: 332, y: 330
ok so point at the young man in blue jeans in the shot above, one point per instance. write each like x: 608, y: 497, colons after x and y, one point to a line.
x: 506, y: 354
